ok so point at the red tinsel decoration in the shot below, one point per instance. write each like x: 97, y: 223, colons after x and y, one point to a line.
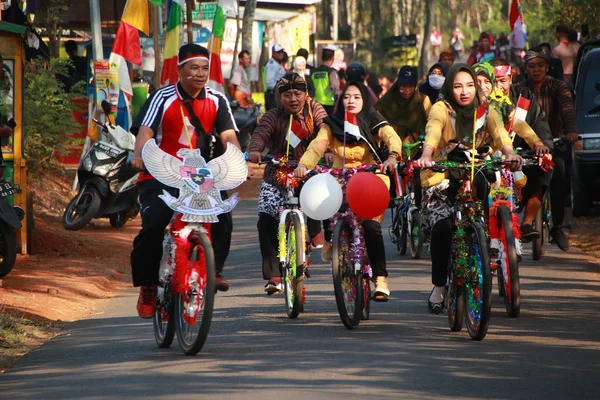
x: 547, y: 164
x: 184, y: 268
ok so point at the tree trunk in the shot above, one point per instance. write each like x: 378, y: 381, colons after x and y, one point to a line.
x: 425, y: 50
x: 249, y: 9
x: 325, y: 20
x: 375, y: 30
x: 345, y: 30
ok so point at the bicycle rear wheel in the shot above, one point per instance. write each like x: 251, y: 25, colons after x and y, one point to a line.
x: 478, y: 286
x: 509, y: 278
x: 293, y: 270
x: 417, y: 237
x: 164, y: 319
x: 194, y: 309
x: 347, y: 280
x: 403, y: 239
x: 538, y: 243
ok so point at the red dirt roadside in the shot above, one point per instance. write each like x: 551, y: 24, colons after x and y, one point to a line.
x: 69, y: 272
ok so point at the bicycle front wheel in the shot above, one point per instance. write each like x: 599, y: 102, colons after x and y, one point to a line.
x: 347, y: 280
x: 478, y: 286
x: 194, y: 309
x: 164, y: 320
x: 455, y: 304
x: 293, y: 268
x: 509, y: 271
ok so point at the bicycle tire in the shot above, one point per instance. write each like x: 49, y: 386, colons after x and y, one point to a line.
x: 537, y: 249
x: 164, y: 319
x: 347, y: 283
x: 455, y: 304
x: 510, y: 283
x: 366, y: 311
x: 403, y: 240
x: 478, y: 294
x: 192, y: 343
x: 293, y: 274
x: 417, y: 237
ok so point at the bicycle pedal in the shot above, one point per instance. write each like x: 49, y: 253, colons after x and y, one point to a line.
x: 273, y: 293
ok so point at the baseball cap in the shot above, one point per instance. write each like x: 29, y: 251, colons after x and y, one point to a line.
x: 408, y: 74
x: 277, y: 48
x: 330, y: 47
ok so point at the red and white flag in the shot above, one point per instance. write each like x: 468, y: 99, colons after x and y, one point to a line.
x: 522, y: 108
x: 481, y: 115
x: 296, y: 134
x: 351, y: 125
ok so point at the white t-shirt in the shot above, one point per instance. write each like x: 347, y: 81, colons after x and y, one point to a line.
x: 240, y: 79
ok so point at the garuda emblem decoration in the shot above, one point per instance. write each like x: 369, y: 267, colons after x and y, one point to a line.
x: 199, y: 182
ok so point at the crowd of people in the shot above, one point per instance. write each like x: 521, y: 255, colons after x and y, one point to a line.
x: 439, y: 107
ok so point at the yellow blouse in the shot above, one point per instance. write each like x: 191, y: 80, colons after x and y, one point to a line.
x: 440, y: 130
x: 357, y: 154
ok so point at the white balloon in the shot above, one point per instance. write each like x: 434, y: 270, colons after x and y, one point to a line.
x: 321, y: 197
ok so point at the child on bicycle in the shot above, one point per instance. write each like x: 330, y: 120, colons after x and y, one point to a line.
x: 374, y: 130
x: 451, y: 124
x: 272, y: 133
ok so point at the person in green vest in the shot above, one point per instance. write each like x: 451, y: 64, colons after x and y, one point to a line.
x: 326, y: 80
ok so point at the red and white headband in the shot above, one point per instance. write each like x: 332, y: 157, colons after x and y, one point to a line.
x: 193, y: 57
x: 502, y: 70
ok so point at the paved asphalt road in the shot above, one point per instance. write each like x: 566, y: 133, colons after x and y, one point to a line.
x: 254, y: 351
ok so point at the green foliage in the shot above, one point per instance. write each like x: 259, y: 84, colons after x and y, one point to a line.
x: 48, y: 113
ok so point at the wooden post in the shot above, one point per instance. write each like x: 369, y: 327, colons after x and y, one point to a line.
x: 190, y: 25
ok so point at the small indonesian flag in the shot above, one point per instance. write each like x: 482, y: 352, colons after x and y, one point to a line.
x: 296, y: 134
x: 480, y: 117
x: 522, y: 108
x: 351, y: 125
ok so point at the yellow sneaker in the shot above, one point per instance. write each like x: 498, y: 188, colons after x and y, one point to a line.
x: 382, y: 291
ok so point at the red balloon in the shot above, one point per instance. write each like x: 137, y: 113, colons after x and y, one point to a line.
x: 367, y: 194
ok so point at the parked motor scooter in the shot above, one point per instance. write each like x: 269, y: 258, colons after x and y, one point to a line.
x: 107, y: 182
x: 246, y: 119
x: 10, y: 219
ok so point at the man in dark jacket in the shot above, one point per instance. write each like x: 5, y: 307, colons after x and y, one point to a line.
x: 537, y: 180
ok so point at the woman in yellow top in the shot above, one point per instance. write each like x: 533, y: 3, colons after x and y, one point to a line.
x: 450, y: 122
x: 374, y: 130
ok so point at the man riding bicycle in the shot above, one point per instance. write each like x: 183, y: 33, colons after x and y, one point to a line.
x: 537, y: 180
x: 272, y: 133
x: 183, y: 115
x: 555, y: 99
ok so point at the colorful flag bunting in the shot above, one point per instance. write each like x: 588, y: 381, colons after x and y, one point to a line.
x: 216, y: 79
x: 172, y: 38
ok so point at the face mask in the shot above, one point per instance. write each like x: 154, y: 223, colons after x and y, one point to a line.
x: 436, y: 81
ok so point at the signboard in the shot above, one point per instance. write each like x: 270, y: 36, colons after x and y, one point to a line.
x: 208, y: 11
x: 107, y: 84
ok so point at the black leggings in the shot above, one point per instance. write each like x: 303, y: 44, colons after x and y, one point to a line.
x: 442, y: 230
x: 558, y: 187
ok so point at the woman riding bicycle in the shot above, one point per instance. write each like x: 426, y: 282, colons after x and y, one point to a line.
x: 450, y: 124
x: 272, y: 133
x: 374, y: 130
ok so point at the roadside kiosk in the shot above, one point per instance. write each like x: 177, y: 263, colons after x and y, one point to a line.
x: 15, y: 169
